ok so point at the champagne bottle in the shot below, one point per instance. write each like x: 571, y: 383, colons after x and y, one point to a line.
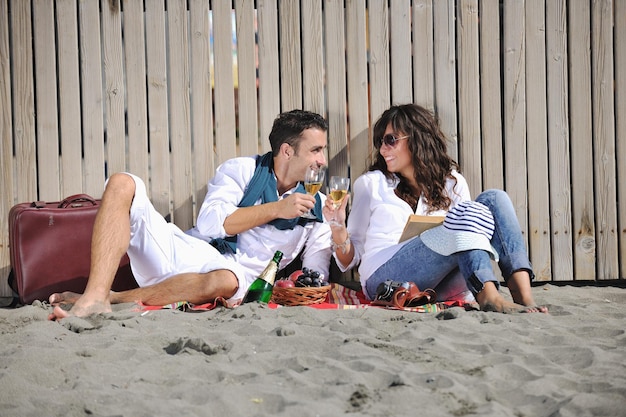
x: 262, y: 287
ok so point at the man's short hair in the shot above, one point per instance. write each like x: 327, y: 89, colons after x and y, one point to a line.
x: 288, y: 128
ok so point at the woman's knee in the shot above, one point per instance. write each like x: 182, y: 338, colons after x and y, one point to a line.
x: 498, y: 202
x: 493, y: 196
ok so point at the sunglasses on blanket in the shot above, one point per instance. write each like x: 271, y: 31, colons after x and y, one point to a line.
x: 389, y: 140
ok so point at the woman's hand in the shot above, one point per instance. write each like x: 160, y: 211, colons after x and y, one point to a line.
x: 340, y: 214
x: 341, y: 245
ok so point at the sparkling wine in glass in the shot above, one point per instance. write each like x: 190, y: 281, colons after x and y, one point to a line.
x: 313, y: 180
x: 338, y: 189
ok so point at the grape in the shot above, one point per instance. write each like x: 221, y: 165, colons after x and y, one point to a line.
x: 310, y: 278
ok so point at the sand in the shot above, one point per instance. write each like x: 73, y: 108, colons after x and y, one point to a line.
x: 301, y: 361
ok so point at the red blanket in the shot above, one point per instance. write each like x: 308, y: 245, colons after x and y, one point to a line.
x: 338, y: 298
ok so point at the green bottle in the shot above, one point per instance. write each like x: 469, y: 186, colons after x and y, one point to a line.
x: 262, y: 287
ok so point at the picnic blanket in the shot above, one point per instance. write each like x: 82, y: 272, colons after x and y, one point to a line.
x: 339, y: 298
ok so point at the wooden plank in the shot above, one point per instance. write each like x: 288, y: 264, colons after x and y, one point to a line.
x: 91, y: 105
x: 620, y: 125
x: 180, y: 135
x: 581, y: 139
x: 336, y: 87
x: 23, y: 102
x: 48, y: 181
x: 423, y: 54
x: 70, y: 122
x: 559, y: 145
x: 379, y: 66
x: 7, y: 164
x: 604, y: 138
x: 269, y: 101
x: 137, y: 96
x: 445, y: 71
x: 313, y: 98
x: 158, y: 106
x: 247, y: 86
x: 469, y: 94
x: 201, y: 100
x: 290, y: 54
x: 490, y: 92
x: 225, y: 126
x: 115, y: 91
x: 401, y: 70
x: 514, y: 103
x: 360, y: 145
x: 536, y: 126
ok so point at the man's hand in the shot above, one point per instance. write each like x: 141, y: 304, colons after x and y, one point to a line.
x: 295, y: 205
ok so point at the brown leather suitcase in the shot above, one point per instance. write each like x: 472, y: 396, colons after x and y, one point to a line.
x: 50, y: 248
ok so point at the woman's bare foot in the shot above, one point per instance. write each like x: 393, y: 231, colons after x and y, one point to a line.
x: 82, y: 307
x: 490, y: 299
x: 521, y: 292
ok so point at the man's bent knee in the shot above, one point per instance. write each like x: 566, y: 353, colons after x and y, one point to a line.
x: 219, y: 283
x: 120, y: 188
x: 121, y: 183
x: 228, y: 283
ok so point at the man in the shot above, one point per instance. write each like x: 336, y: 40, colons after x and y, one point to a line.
x: 252, y: 208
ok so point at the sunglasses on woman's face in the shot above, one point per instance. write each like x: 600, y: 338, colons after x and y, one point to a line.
x: 389, y: 140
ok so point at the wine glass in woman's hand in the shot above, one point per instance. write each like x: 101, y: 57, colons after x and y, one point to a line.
x: 338, y: 189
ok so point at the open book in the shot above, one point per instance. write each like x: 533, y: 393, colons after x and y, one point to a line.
x: 416, y: 224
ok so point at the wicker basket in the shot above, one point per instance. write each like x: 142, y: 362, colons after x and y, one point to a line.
x: 299, y: 296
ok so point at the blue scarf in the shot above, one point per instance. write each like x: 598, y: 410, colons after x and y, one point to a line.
x: 263, y: 185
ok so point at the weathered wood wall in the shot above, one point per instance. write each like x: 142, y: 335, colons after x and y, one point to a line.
x: 531, y: 93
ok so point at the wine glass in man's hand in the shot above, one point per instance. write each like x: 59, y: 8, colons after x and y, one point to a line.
x: 313, y: 180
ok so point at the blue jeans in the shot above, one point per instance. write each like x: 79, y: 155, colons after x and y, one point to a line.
x: 453, y: 274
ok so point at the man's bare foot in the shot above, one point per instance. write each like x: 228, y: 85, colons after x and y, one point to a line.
x: 82, y: 308
x: 521, y: 292
x: 490, y: 299
x: 66, y: 297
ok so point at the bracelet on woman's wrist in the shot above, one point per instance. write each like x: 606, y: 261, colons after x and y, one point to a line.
x: 343, y: 246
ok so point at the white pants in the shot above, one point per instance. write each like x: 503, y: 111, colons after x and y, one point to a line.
x: 159, y: 250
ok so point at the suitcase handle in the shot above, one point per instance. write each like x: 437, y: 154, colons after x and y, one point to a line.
x: 77, y: 200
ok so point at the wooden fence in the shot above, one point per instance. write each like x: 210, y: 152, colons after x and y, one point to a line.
x: 529, y: 93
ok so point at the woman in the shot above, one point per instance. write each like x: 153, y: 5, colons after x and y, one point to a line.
x: 412, y: 173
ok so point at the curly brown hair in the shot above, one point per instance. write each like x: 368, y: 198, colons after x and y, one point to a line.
x: 427, y: 143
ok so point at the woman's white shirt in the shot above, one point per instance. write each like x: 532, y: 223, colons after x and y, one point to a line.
x: 378, y: 217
